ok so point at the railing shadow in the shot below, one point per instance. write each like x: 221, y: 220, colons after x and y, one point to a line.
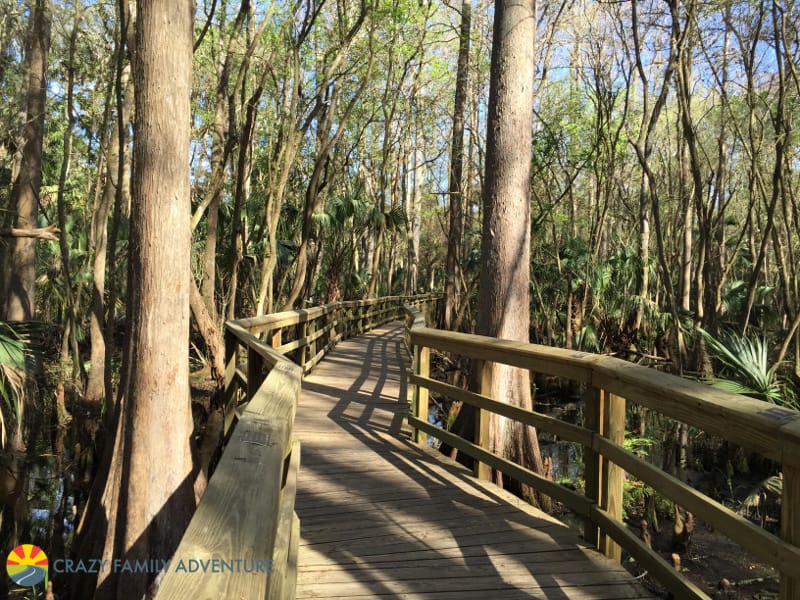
x: 394, y: 520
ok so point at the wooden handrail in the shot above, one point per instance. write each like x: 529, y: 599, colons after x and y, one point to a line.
x: 769, y: 430
x: 244, y: 536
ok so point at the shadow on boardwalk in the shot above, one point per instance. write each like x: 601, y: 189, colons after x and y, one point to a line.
x: 382, y: 518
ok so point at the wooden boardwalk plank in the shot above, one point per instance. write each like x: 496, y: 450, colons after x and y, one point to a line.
x: 382, y: 518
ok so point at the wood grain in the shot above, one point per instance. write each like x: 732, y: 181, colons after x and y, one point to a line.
x: 770, y: 430
x: 238, y: 516
x: 385, y: 518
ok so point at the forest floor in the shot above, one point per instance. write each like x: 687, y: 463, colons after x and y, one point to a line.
x: 717, y: 565
x: 720, y: 567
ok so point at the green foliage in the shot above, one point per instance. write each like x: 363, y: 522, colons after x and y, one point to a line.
x: 734, y: 302
x: 637, y: 494
x: 745, y: 362
x: 640, y: 446
x: 771, y: 485
x: 13, y: 372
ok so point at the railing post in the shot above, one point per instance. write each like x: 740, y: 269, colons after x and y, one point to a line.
x: 276, y: 338
x: 790, y: 519
x: 311, y: 329
x: 330, y: 322
x: 613, y: 475
x: 255, y: 372
x: 337, y: 316
x: 605, y: 414
x: 422, y: 367
x: 593, y: 420
x: 482, y: 419
x: 302, y: 333
x: 790, y: 524
x: 229, y: 398
x: 231, y: 356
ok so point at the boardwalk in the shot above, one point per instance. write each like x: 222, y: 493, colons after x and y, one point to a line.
x: 382, y: 518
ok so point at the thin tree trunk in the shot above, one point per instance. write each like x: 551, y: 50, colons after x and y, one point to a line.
x: 325, y: 145
x: 222, y: 145
x: 414, y: 221
x: 244, y: 166
x: 456, y: 198
x: 783, y: 140
x: 100, y: 328
x: 71, y: 325
x: 20, y: 298
x: 207, y: 327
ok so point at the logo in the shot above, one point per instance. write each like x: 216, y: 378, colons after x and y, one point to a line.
x: 27, y: 565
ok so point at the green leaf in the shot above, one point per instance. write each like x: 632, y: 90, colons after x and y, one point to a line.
x: 12, y: 349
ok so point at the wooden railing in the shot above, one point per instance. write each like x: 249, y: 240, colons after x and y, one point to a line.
x: 243, y: 539
x: 769, y: 430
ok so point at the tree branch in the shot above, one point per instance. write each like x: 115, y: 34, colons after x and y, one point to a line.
x: 51, y: 232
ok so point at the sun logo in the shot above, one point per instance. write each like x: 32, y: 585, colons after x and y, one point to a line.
x: 27, y: 565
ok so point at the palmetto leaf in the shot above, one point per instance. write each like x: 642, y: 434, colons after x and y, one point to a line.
x: 747, y: 363
x: 12, y: 348
x: 773, y: 484
x: 734, y: 387
x: 12, y: 376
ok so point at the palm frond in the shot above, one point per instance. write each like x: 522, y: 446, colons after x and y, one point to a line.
x: 773, y: 485
x: 746, y: 362
x: 12, y: 377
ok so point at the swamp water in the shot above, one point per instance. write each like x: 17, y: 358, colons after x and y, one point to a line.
x: 44, y: 484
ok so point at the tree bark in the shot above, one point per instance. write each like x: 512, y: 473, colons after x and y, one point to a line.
x: 503, y: 296
x: 70, y: 335
x: 222, y: 146
x: 147, y: 508
x: 414, y: 219
x: 19, y: 300
x: 456, y: 232
x: 207, y: 327
x: 97, y: 383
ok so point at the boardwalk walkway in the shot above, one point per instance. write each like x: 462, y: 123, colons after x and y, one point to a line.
x: 382, y: 518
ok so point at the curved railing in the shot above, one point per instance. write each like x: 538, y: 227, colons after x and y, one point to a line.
x: 243, y: 539
x: 764, y: 428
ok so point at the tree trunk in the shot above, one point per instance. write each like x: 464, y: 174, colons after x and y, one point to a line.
x: 20, y: 295
x: 244, y: 168
x: 207, y: 327
x: 687, y: 209
x: 503, y: 297
x: 96, y: 384
x: 222, y: 145
x: 318, y: 180
x: 456, y: 197
x: 71, y: 320
x: 414, y: 220
x: 146, y: 508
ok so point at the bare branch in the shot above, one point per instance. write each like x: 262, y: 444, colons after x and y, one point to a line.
x: 51, y: 232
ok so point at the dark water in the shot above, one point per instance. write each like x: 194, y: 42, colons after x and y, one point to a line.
x: 44, y: 483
